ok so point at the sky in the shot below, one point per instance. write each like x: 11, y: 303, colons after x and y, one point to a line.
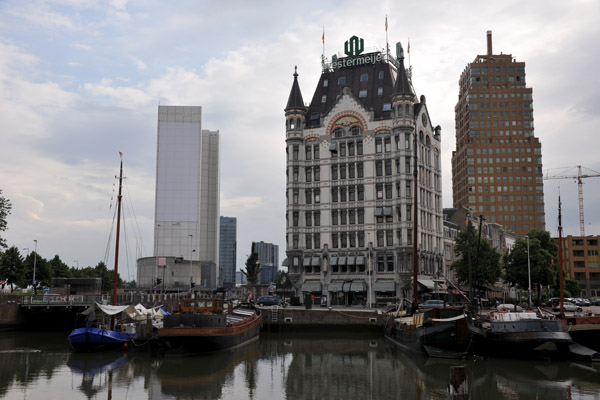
x: 81, y: 81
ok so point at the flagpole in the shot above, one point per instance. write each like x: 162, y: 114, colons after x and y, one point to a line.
x: 323, y: 53
x: 387, y: 44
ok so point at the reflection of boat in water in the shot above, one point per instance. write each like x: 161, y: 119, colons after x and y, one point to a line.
x: 94, y: 367
x: 203, y: 376
x: 202, y: 326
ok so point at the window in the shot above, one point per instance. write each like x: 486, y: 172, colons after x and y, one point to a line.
x: 380, y: 74
x: 325, y: 82
x: 317, y: 196
x: 308, y: 174
x: 324, y: 99
x: 296, y: 149
x: 343, y: 217
x: 351, y: 193
x: 342, y: 194
x: 380, y: 91
x: 334, y: 240
x: 350, y: 148
x: 334, y: 195
x: 388, y: 167
x: 317, y: 174
x: 355, y: 130
x: 362, y: 94
x: 334, y: 172
x: 308, y: 193
x: 342, y: 171
x: 389, y: 238
x: 378, y: 145
x: 295, y: 174
x: 334, y: 217
x: 387, y: 106
x: 359, y: 148
x: 361, y: 215
x: 388, y: 144
x: 359, y: 170
x: 342, y: 149
x: 364, y: 77
x: 352, y: 217
x: 317, y: 240
x: 379, y: 168
x: 317, y: 218
x: 308, y: 218
x: 379, y: 189
x: 360, y: 189
x: 341, y: 80
x: 295, y: 218
x: 316, y: 151
x: 351, y: 173
x: 380, y: 241
x: 308, y: 241
x: 388, y: 191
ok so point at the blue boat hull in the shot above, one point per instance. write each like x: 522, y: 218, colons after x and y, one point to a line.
x: 97, y: 339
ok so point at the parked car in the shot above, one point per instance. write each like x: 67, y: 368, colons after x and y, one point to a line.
x: 269, y: 301
x: 570, y: 307
x: 597, y: 302
x: 586, y: 302
x: 432, y: 304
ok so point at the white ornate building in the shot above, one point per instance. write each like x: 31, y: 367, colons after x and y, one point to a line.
x: 350, y: 182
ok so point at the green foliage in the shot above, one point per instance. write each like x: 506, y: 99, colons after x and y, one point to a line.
x: 11, y: 267
x: 488, y: 270
x: 5, y: 208
x: 543, y: 250
x: 59, y: 268
x: 252, y: 268
x: 572, y: 287
x: 282, y: 280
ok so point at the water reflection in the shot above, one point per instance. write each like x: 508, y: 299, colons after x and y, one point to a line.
x: 298, y: 366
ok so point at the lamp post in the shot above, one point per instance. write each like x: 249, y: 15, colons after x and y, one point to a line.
x: 34, y: 263
x: 191, y: 253
x: 528, y: 270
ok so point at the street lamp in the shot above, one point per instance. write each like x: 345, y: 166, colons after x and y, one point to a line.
x: 528, y: 270
x: 34, y: 263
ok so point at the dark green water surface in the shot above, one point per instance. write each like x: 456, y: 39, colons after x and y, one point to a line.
x: 40, y: 365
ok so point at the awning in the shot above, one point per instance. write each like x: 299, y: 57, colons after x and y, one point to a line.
x: 306, y: 262
x: 333, y: 260
x: 316, y: 261
x: 387, y: 211
x: 383, y: 286
x: 335, y: 286
x: 357, y: 287
x: 342, y: 261
x: 360, y: 260
x: 285, y: 263
x: 351, y: 260
x: 428, y: 283
x: 311, y: 286
x: 378, y: 211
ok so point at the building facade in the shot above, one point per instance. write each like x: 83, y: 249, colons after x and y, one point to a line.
x: 187, y: 191
x: 228, y: 250
x: 581, y: 261
x: 268, y: 257
x: 351, y: 157
x: 497, y: 163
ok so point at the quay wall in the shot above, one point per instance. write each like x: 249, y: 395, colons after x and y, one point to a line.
x: 10, y: 312
x: 296, y: 317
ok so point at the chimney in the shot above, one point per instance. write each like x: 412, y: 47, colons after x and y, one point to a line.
x: 489, y: 43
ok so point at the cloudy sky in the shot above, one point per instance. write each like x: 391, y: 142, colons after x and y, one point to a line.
x: 82, y: 80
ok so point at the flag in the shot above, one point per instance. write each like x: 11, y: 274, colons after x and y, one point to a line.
x: 386, y: 23
x: 408, y: 49
x: 323, y: 38
x: 120, y: 154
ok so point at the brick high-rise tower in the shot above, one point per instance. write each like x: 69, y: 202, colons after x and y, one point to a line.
x: 497, y: 164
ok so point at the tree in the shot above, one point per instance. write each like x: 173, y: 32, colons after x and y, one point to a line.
x: 59, y: 269
x: 11, y: 267
x: 252, y: 269
x: 5, y: 208
x: 542, y: 251
x: 488, y: 268
x: 572, y: 288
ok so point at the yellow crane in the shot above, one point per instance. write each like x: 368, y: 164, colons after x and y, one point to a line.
x: 578, y: 179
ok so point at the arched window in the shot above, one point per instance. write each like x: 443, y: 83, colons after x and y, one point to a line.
x: 355, y: 130
x: 338, y: 132
x: 427, y: 141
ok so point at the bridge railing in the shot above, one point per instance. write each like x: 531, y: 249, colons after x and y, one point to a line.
x: 58, y: 300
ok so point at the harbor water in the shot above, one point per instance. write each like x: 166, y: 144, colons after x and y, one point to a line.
x: 279, y: 365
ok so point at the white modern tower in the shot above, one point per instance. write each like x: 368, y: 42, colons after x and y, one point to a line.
x: 187, y: 186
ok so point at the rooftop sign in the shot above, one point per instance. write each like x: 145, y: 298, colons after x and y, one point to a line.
x: 353, y: 48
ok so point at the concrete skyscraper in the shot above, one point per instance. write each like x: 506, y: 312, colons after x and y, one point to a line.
x: 187, y: 201
x: 497, y: 163
x: 351, y: 157
x: 268, y: 256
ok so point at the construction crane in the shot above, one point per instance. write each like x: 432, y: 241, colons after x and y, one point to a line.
x: 578, y: 178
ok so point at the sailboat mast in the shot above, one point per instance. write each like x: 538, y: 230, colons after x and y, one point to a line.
x: 415, y: 232
x: 560, y: 256
x: 116, y: 273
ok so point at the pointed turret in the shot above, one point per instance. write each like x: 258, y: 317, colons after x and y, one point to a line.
x: 295, y: 111
x: 295, y: 100
x: 402, y: 86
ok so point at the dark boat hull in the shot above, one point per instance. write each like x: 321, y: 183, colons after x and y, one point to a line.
x: 97, y: 339
x: 524, y: 339
x: 584, y: 331
x: 445, y: 333
x: 186, y: 340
